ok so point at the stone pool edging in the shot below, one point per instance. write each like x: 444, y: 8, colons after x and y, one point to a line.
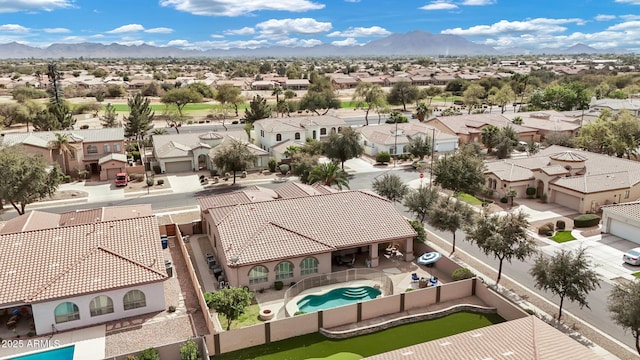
x: 407, y: 319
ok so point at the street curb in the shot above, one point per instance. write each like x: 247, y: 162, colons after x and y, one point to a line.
x: 62, y: 202
x: 488, y: 280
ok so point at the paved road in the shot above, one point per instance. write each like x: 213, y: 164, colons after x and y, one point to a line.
x: 597, y: 316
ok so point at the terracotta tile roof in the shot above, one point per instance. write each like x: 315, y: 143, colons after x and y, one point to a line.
x: 464, y: 124
x: 181, y: 145
x: 312, y: 223
x: 237, y: 197
x: 104, y: 214
x: 630, y: 209
x: 42, y: 138
x: 42, y: 265
x: 113, y: 156
x: 281, y: 147
x: 33, y: 220
x: 298, y: 123
x: 528, y: 338
x: 595, y: 183
x: 554, y: 170
x: 508, y: 171
x: 293, y: 190
x: 384, y: 133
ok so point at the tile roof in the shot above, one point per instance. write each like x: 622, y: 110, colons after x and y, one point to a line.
x: 294, y: 189
x: 181, y: 145
x: 465, y: 124
x: 630, y: 209
x: 236, y: 197
x: 298, y: 123
x: 113, y: 156
x: 42, y: 265
x: 42, y: 138
x: 33, y: 220
x: 601, y: 172
x: 384, y: 133
x: 306, y: 225
x: 528, y: 338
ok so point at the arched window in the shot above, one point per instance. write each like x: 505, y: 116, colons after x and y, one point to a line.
x: 101, y: 305
x: 339, y: 130
x: 258, y: 274
x: 134, y: 299
x: 92, y: 149
x: 297, y: 136
x: 67, y: 311
x: 333, y: 130
x: 309, y: 266
x: 278, y: 137
x: 284, y: 270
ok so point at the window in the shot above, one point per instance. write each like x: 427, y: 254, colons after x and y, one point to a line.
x: 278, y: 137
x: 323, y: 131
x: 626, y: 194
x: 258, y: 274
x: 134, y: 299
x: 101, y: 305
x: 92, y: 149
x: 284, y: 270
x: 72, y: 154
x: 261, y: 133
x: 314, y: 134
x: 106, y: 148
x: 297, y: 136
x: 309, y: 266
x: 116, y: 148
x: 67, y: 311
x: 333, y: 130
x: 392, y: 150
x: 339, y: 130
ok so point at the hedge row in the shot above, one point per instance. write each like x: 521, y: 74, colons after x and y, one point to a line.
x: 586, y: 220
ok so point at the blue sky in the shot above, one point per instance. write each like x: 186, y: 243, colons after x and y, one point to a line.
x: 223, y: 24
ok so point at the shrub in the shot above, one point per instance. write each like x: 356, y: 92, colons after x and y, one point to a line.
x: 171, y: 309
x: 272, y: 165
x: 213, y: 172
x: 419, y: 228
x: 278, y: 285
x: 531, y: 191
x: 383, y: 157
x: 299, y: 313
x: 586, y: 220
x: 149, y: 354
x: 160, y: 182
x: 284, y: 169
x: 136, y: 155
x: 150, y: 181
x: 157, y: 169
x: 84, y: 127
x: 208, y: 298
x: 560, y: 225
x: 461, y: 274
x: 504, y: 200
x: 189, y: 351
x: 409, y: 289
x: 545, y: 229
x: 66, y: 178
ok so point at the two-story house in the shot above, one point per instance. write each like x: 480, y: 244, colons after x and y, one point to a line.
x: 99, y: 151
x: 273, y: 133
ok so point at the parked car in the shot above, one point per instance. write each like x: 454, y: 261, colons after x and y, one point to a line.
x: 632, y: 257
x: 419, y: 164
x: 122, y: 179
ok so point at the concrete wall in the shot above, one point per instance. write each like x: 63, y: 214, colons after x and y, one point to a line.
x: 340, y: 316
x: 383, y: 306
x: 43, y: 313
x: 170, y: 351
x: 420, y: 298
x: 242, y: 338
x: 456, y: 290
x: 294, y: 326
x: 507, y: 309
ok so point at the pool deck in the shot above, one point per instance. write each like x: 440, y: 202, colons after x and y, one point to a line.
x: 89, y: 344
x: 292, y: 306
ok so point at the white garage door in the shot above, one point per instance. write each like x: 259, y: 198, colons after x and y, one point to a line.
x: 624, y: 230
x: 178, y: 166
x: 566, y: 200
x: 111, y: 173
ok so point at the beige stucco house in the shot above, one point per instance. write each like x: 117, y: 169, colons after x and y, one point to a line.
x: 580, y: 180
x: 261, y: 236
x: 395, y: 138
x: 622, y: 220
x: 468, y: 128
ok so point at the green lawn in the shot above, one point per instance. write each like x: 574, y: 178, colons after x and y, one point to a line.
x: 562, y: 236
x: 317, y: 346
x: 250, y: 317
x: 469, y: 199
x: 636, y: 274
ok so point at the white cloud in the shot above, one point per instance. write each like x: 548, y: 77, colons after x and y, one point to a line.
x: 56, y: 30
x: 244, y: 31
x: 217, y: 36
x: 603, y: 17
x: 179, y: 43
x: 632, y: 2
x: 159, y: 30
x: 295, y: 42
x: 127, y: 29
x: 237, y: 8
x: 346, y: 42
x: 275, y: 29
x: 478, y: 2
x: 361, y: 32
x: 352, y: 1
x: 8, y: 6
x: 538, y: 26
x: 73, y: 39
x: 248, y: 44
x: 629, y: 25
x: 130, y: 42
x: 13, y: 28
x: 439, y: 5
x: 630, y: 17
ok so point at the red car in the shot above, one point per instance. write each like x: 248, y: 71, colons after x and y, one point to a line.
x: 122, y: 179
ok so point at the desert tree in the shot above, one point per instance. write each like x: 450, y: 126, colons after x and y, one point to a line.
x: 419, y: 201
x: 420, y: 146
x: 140, y: 119
x: 229, y: 95
x: 450, y: 214
x: 624, y: 306
x: 403, y: 93
x: 258, y: 109
x: 232, y: 156
x: 180, y: 98
x: 320, y: 95
x: 390, y: 186
x: 460, y: 172
x: 230, y: 302
x: 368, y: 96
x: 473, y: 96
x: 344, y: 146
x: 109, y: 119
x: 567, y: 274
x: 503, y: 236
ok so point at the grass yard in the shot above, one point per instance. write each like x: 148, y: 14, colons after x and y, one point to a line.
x: 469, y: 199
x: 636, y: 274
x: 317, y: 346
x: 562, y: 236
x: 250, y: 317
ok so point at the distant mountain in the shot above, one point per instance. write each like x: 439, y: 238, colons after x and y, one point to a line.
x: 414, y: 43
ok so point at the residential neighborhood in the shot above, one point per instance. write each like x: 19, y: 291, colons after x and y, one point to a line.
x: 397, y: 197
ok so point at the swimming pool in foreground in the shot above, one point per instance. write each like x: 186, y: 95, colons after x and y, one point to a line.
x: 63, y: 353
x: 337, y: 297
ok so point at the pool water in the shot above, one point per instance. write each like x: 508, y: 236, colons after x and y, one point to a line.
x: 337, y: 297
x: 64, y: 353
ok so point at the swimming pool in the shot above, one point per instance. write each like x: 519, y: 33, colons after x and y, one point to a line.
x: 337, y: 297
x: 63, y: 353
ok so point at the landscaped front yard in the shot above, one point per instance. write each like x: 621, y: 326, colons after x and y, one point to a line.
x: 469, y: 199
x: 562, y: 236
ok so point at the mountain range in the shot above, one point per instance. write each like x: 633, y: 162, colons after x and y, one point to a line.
x: 414, y: 43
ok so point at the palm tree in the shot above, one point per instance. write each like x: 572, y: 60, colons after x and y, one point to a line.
x: 291, y: 151
x: 512, y: 193
x: 329, y: 174
x: 423, y: 111
x: 62, y: 143
x: 277, y: 91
